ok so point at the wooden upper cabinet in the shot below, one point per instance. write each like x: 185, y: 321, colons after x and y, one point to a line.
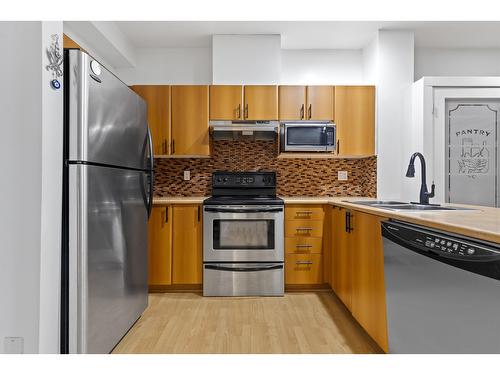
x: 190, y: 114
x: 226, y: 102
x: 70, y: 43
x: 292, y: 102
x: 187, y: 246
x: 368, y: 290
x: 355, y: 120
x: 160, y: 246
x: 157, y: 98
x: 320, y: 103
x: 261, y: 103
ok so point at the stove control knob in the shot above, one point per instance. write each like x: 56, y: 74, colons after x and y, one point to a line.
x: 224, y: 179
x: 471, y: 251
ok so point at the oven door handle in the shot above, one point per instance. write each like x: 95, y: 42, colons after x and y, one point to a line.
x: 243, y: 269
x: 242, y: 210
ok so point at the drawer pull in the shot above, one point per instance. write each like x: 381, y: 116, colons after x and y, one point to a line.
x: 303, y: 262
x: 300, y: 213
x: 299, y: 229
x: 299, y: 246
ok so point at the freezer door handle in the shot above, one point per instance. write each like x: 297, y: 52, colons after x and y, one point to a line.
x: 151, y: 173
x: 243, y: 269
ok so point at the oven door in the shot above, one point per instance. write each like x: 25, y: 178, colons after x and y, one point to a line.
x: 243, y: 234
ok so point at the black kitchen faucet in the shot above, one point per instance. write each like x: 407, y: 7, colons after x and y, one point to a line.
x: 424, y: 194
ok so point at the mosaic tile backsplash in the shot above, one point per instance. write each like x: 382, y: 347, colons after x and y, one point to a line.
x: 296, y: 177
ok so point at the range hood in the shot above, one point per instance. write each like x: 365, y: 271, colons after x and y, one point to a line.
x: 246, y: 127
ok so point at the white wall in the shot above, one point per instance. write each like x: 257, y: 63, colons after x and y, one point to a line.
x: 169, y: 66
x: 394, y: 78
x: 456, y: 62
x: 370, y: 61
x: 30, y: 116
x: 321, y: 66
x: 51, y: 205
x: 246, y: 59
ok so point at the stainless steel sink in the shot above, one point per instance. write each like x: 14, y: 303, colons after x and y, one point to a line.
x: 376, y: 203
x: 417, y: 207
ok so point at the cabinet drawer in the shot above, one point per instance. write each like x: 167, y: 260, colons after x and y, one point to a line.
x: 301, y: 245
x: 303, y: 269
x: 309, y: 212
x: 304, y: 228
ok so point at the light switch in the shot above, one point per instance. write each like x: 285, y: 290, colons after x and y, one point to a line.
x: 187, y: 175
x: 342, y: 176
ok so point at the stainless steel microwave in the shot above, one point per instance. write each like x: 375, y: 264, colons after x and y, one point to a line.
x: 308, y: 136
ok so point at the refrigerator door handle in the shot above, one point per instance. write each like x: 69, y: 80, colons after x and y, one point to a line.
x: 151, y: 172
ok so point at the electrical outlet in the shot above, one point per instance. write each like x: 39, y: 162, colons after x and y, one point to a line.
x: 187, y: 175
x: 13, y: 345
x: 342, y: 176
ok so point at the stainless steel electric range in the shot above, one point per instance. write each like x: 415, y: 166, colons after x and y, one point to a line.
x: 243, y: 236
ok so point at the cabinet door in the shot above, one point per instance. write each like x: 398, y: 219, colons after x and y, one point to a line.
x: 292, y: 102
x: 355, y: 120
x: 341, y: 257
x: 368, y: 291
x: 261, y: 103
x: 226, y: 102
x: 160, y: 246
x: 190, y: 121
x: 70, y: 43
x: 157, y: 98
x: 187, y: 244
x: 320, y: 103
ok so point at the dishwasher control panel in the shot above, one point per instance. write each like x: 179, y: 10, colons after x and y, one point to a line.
x: 440, y: 243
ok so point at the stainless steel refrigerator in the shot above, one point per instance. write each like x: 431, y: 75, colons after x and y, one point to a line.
x: 473, y: 157
x: 107, y: 197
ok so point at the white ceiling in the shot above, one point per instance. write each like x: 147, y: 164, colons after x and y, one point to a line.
x: 311, y: 34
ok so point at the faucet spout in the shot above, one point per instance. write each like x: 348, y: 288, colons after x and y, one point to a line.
x: 424, y: 193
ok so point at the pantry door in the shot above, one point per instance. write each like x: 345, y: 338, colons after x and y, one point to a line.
x: 466, y: 152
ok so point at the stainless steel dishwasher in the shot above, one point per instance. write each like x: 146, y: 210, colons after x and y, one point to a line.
x: 442, y: 291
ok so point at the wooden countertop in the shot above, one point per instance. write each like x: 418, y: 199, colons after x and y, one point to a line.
x: 178, y: 200
x: 481, y: 222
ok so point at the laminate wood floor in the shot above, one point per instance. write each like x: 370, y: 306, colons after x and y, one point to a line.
x: 300, y: 322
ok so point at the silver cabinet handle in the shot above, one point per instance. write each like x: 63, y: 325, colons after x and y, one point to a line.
x: 303, y: 229
x: 245, y: 115
x: 302, y: 112
x: 303, y: 262
x: 300, y: 246
x: 239, y: 112
x: 310, y: 111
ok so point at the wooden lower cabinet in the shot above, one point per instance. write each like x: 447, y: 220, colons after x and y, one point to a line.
x: 303, y: 245
x: 303, y: 269
x: 341, y: 257
x: 303, y: 212
x: 187, y: 240
x: 304, y: 228
x: 368, y: 289
x: 160, y: 246
x: 358, y: 270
